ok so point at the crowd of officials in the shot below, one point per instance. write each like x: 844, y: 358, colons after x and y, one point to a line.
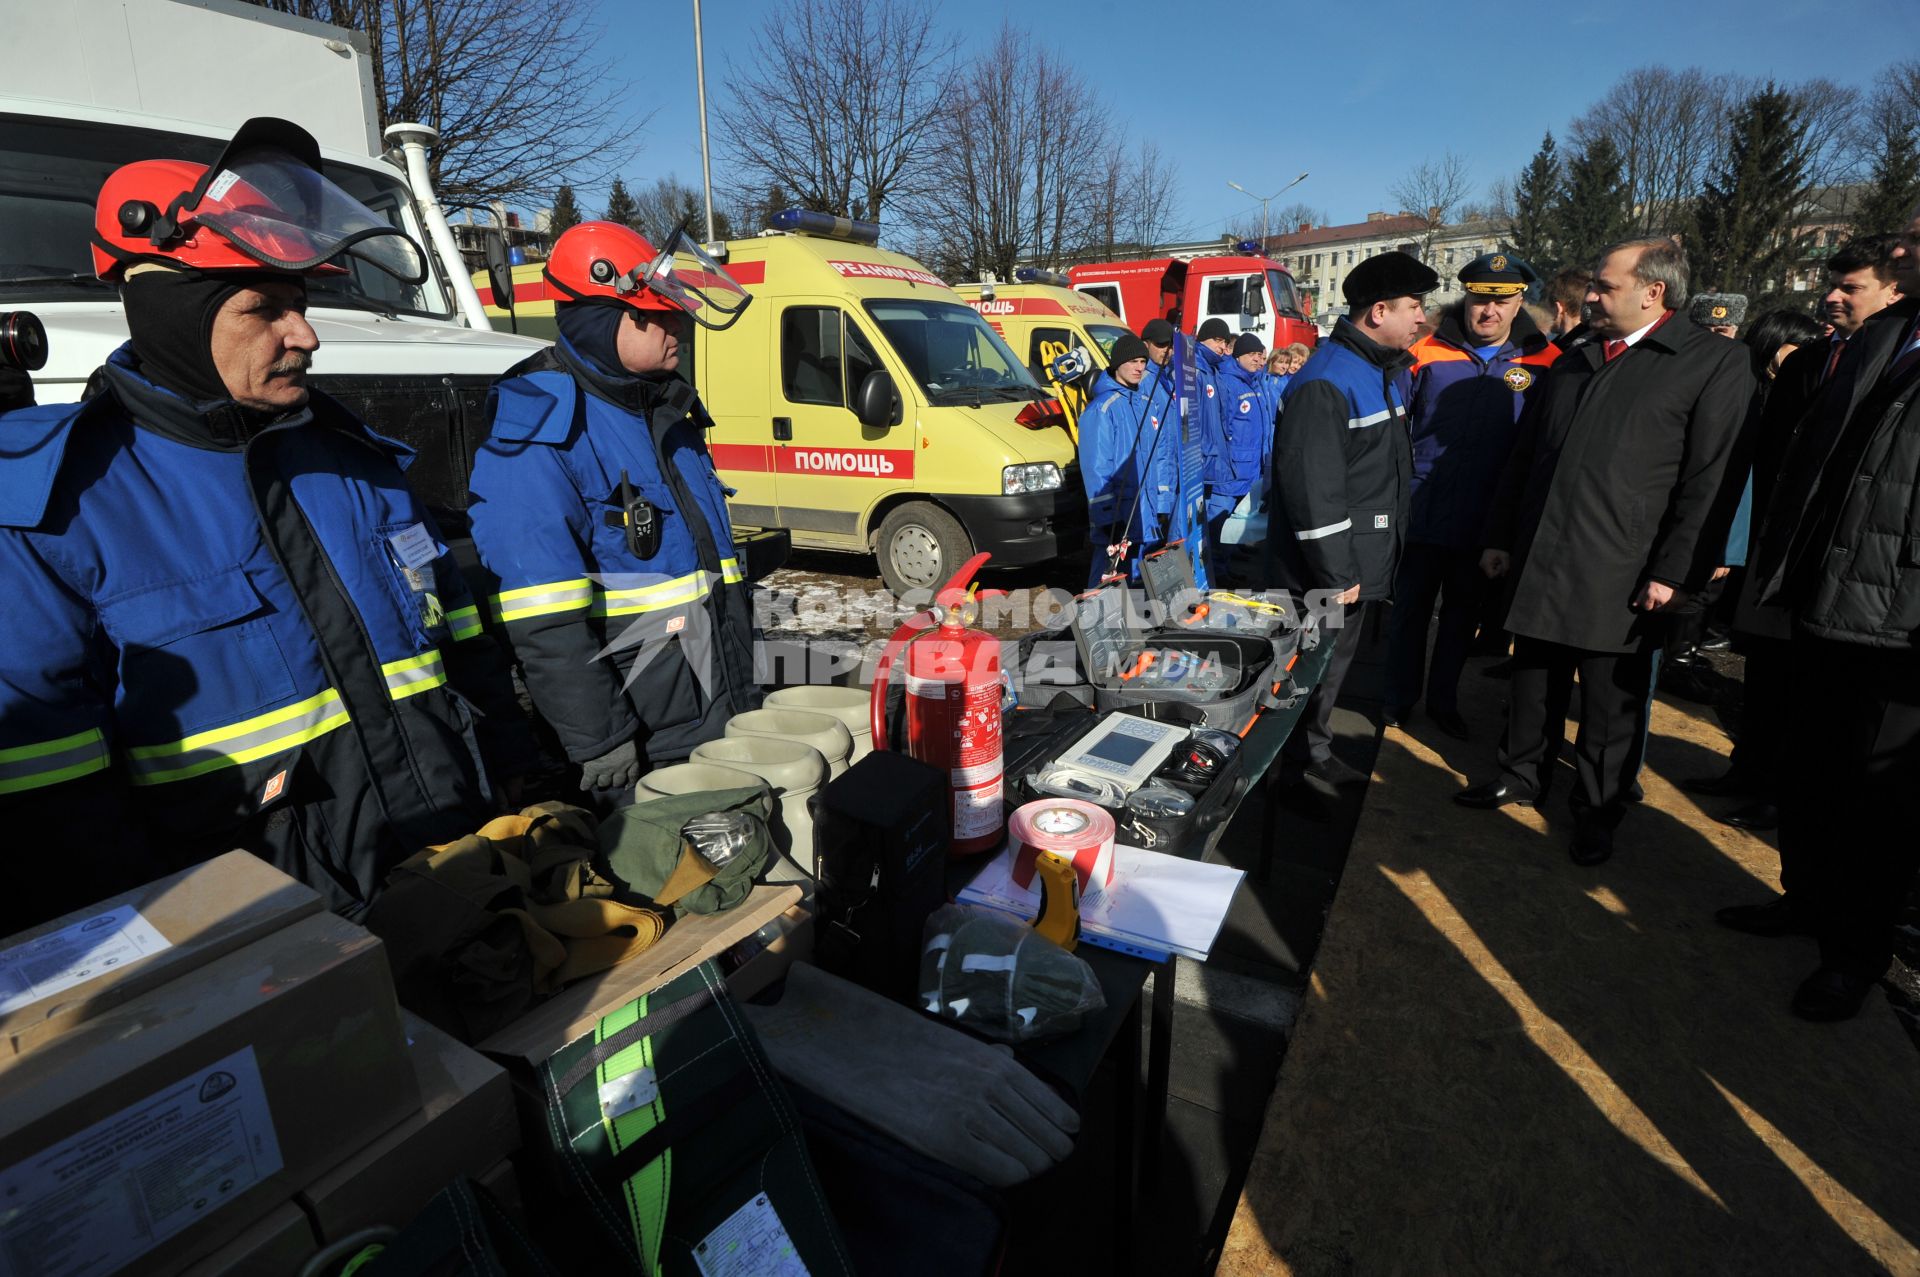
x: 231, y: 623
x: 1593, y: 494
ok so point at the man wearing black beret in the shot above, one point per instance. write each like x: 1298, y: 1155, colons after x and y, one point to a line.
x: 1341, y: 462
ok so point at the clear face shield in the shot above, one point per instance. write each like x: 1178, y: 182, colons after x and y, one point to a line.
x: 286, y: 215
x: 685, y: 275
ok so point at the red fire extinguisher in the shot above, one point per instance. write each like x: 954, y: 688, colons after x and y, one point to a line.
x: 953, y: 710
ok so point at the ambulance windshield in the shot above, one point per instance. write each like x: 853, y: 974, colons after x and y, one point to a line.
x: 952, y: 352
x: 1106, y: 335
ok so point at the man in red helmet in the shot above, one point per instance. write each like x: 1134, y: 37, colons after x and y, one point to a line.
x: 229, y: 622
x: 599, y: 517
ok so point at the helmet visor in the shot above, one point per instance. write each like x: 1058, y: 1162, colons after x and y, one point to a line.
x: 285, y: 214
x: 685, y: 275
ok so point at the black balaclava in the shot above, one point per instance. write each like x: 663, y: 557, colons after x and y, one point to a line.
x: 170, y: 318
x: 590, y: 347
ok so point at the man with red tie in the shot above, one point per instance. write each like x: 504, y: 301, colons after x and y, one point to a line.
x: 1614, y: 504
x: 1838, y: 553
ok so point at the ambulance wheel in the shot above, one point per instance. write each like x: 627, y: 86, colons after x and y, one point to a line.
x: 919, y: 547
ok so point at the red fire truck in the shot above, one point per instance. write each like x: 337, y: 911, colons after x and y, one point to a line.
x: 1252, y: 293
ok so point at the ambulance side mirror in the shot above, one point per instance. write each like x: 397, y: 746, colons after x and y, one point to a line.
x: 1256, y: 299
x: 874, y: 403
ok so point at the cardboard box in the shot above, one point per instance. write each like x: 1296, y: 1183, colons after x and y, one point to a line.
x: 528, y: 1041
x: 795, y: 944
x: 57, y: 974
x: 464, y: 1127
x: 277, y: 1244
x: 153, y: 1134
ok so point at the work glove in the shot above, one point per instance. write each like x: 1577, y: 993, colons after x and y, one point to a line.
x: 933, y: 1088
x: 618, y: 768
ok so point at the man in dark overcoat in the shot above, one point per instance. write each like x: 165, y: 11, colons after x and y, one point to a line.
x: 1840, y: 552
x: 1614, y: 504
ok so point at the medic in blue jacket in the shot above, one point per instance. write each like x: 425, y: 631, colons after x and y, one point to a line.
x: 229, y: 622
x: 1251, y: 404
x: 600, y: 521
x: 1117, y: 449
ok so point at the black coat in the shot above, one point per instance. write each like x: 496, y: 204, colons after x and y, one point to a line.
x: 1623, y: 472
x: 1341, y: 465
x: 1840, y: 547
x: 1794, y: 389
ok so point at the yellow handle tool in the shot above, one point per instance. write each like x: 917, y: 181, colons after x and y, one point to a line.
x: 1059, y: 917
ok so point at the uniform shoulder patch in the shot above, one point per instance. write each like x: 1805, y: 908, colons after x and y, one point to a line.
x: 1517, y: 377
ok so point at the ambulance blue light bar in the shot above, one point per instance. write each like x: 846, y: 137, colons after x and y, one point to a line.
x: 825, y: 225
x: 1034, y: 275
x: 1250, y: 246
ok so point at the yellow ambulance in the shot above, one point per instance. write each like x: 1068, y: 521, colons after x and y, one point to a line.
x: 1043, y: 318
x: 861, y: 404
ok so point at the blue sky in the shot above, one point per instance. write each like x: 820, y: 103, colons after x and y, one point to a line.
x: 1372, y: 90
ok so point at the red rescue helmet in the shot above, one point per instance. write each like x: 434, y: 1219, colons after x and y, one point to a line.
x: 610, y: 263
x: 263, y: 205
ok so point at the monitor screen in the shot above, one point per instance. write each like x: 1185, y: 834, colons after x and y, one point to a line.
x: 1120, y: 750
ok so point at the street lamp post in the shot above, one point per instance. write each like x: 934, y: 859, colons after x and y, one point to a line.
x: 1265, y: 200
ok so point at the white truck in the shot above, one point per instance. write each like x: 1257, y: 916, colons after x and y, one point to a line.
x: 89, y: 85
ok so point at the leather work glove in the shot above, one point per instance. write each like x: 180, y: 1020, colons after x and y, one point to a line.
x: 933, y: 1088
x: 618, y: 768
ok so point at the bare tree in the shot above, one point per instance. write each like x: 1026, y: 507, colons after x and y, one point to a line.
x: 1148, y: 196
x: 1014, y: 150
x: 837, y: 102
x: 1433, y: 192
x: 518, y: 89
x: 670, y: 202
x: 1669, y: 128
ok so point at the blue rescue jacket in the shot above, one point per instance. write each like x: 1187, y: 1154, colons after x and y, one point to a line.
x: 1465, y: 414
x: 1252, y: 402
x: 616, y: 642
x: 221, y: 634
x: 1117, y: 433
x: 1210, y: 404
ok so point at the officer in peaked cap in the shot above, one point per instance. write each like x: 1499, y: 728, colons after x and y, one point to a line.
x: 1473, y: 378
x: 1496, y: 275
x: 1722, y: 313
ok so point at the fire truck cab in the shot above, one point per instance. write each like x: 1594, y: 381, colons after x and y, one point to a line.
x: 1251, y: 293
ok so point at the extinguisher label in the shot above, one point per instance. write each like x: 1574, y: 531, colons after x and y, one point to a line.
x: 978, y: 774
x: 976, y: 730
x: 976, y: 812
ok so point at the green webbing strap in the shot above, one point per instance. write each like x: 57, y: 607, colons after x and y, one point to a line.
x: 689, y: 1118
x: 647, y: 1025
x: 645, y: 1192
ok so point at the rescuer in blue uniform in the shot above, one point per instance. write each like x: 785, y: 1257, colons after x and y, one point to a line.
x: 600, y: 521
x: 1118, y: 435
x: 229, y: 622
x: 1212, y: 356
x: 1250, y: 402
x: 1473, y: 377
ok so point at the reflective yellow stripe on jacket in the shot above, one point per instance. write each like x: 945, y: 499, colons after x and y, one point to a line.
x: 691, y: 588
x: 543, y: 600
x: 414, y: 674
x: 50, y: 762
x: 464, y: 622
x: 261, y: 736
